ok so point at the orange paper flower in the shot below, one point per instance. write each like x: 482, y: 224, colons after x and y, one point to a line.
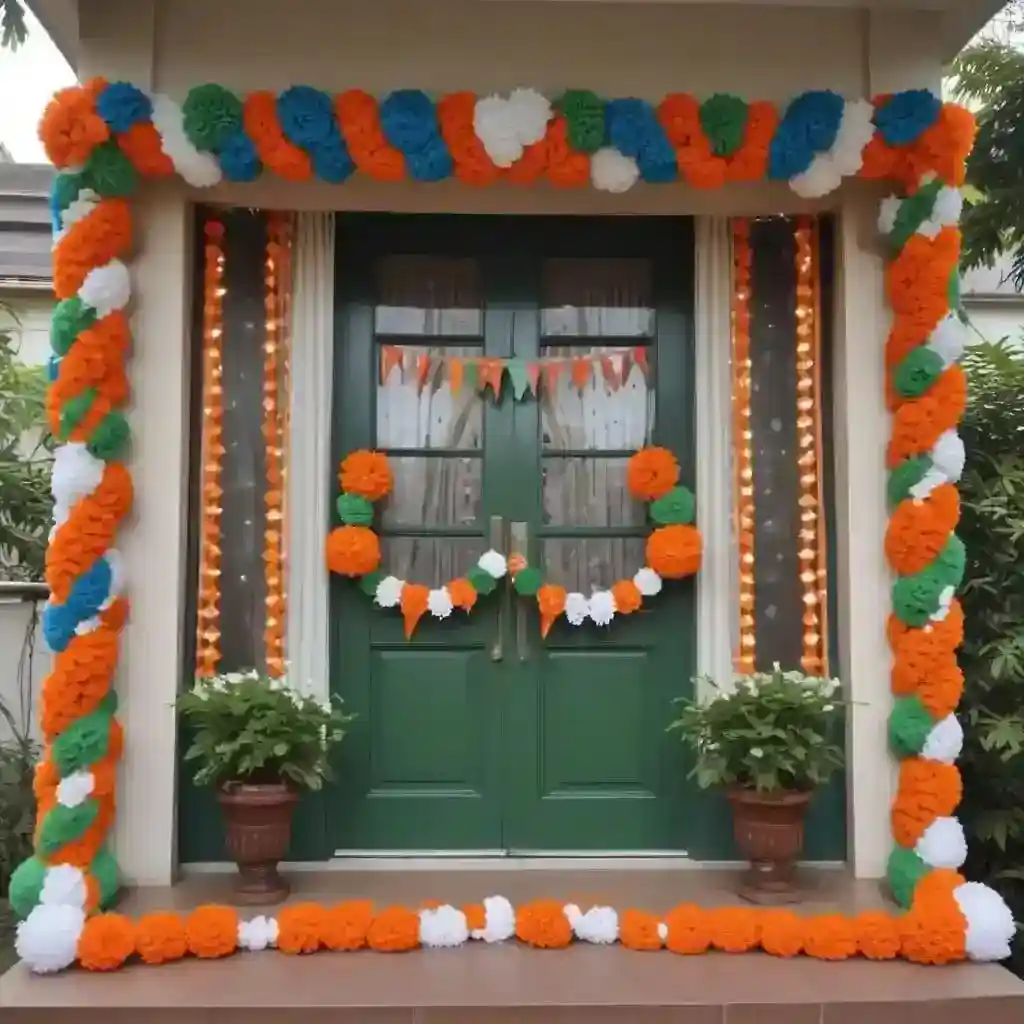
x: 212, y: 931
x: 830, y: 937
x: 394, y: 930
x: 346, y: 926
x: 160, y: 938
x: 918, y: 530
x: 628, y: 598
x: 733, y: 929
x: 352, y: 550
x: 927, y: 790
x: 689, y: 930
x: 674, y: 552
x: 550, y: 604
x: 782, y: 933
x: 462, y: 593
x: 639, y: 930
x: 367, y: 474
x: 543, y: 924
x: 107, y: 940
x: 476, y: 917
x: 414, y: 605
x: 652, y: 473
x: 299, y: 927
x: 878, y: 935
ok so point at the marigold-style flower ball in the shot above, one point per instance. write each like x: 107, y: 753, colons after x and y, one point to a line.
x: 675, y: 551
x: 106, y: 942
x: 652, y: 473
x: 367, y: 474
x: 160, y: 938
x: 352, y: 550
x: 543, y: 924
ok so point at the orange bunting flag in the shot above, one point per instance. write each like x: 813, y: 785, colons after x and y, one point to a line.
x: 551, y: 372
x: 422, y: 371
x: 414, y: 605
x: 491, y: 372
x: 581, y: 370
x: 533, y: 372
x: 455, y: 370
x: 390, y: 357
x: 640, y: 358
x: 611, y: 377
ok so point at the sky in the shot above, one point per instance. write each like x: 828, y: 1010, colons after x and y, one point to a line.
x: 28, y: 78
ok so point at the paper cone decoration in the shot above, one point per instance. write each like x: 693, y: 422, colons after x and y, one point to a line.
x: 414, y: 606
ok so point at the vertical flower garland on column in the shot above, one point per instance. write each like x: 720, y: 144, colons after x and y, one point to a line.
x: 285, y: 281
x: 208, y: 606
x: 273, y: 628
x: 71, y: 872
x: 808, y: 426
x: 742, y: 438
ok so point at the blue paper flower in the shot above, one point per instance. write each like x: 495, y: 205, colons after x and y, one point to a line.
x: 89, y: 591
x: 122, y: 104
x: 332, y: 162
x: 238, y: 158
x: 634, y: 130
x: 409, y: 123
x: 903, y: 118
x: 306, y: 115
x: 809, y: 127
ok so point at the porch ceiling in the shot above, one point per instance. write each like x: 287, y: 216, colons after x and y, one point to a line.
x: 962, y: 17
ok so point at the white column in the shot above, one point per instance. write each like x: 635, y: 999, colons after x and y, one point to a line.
x: 310, y: 473
x: 715, y: 582
x: 861, y: 437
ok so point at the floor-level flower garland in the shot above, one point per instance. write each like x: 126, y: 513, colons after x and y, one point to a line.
x: 103, y: 137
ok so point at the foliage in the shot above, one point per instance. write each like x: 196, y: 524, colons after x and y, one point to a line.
x: 250, y: 728
x: 989, y: 76
x: 18, y: 754
x: 992, y: 657
x: 775, y: 731
x: 12, y: 24
x: 25, y: 463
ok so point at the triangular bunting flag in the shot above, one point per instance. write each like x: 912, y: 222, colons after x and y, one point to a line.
x: 491, y: 372
x: 471, y: 375
x: 455, y: 374
x: 390, y: 357
x: 533, y: 374
x: 551, y: 373
x: 611, y: 378
x: 518, y: 375
x: 640, y: 358
x: 422, y: 371
x: 581, y: 372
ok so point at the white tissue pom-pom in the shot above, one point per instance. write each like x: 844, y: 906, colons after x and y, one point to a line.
x: 648, y: 582
x: 74, y: 789
x: 948, y: 455
x: 932, y: 478
x: 662, y: 931
x: 443, y: 927
x: 844, y: 159
x: 81, y: 206
x: 945, y: 601
x: 990, y: 924
x: 602, y: 607
x: 88, y: 625
x: 506, y: 126
x: 439, y: 603
x: 258, y: 934
x: 47, y: 939
x: 118, y: 577
x: 200, y: 170
x: 389, y: 592
x: 943, y: 844
x: 572, y: 914
x: 949, y: 339
x: 945, y: 742
x: 499, y: 920
x: 64, y: 884
x: 577, y: 608
x: 75, y: 474
x: 949, y: 205
x: 599, y: 925
x: 493, y: 563
x: 887, y: 214
x: 106, y: 288
x: 612, y: 171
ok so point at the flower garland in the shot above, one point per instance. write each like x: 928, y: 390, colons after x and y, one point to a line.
x: 103, y: 137
x: 674, y: 551
x: 353, y: 550
x: 108, y: 942
x: 576, y: 139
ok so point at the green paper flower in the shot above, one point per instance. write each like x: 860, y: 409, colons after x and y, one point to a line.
x: 918, y: 372
x: 951, y: 562
x: 916, y: 598
x: 724, y: 120
x: 904, y: 871
x: 104, y: 869
x: 211, y: 114
x: 528, y: 581
x: 909, y: 726
x: 63, y: 825
x: 907, y: 474
x: 913, y: 212
x: 83, y: 742
x: 110, y: 438
x: 26, y: 886
x: 583, y: 111
x: 368, y: 583
x: 354, y: 510
x: 66, y: 189
x: 74, y: 411
x: 483, y: 582
x: 110, y: 173
x: 674, y: 509
x: 70, y: 318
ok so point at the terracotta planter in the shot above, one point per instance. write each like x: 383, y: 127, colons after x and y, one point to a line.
x: 769, y: 831
x: 258, y: 828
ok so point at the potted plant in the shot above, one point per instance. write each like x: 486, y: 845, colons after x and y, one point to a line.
x: 260, y: 743
x: 770, y: 741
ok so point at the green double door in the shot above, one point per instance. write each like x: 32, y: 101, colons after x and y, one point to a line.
x: 477, y: 736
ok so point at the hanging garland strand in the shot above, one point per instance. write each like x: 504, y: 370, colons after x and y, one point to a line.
x: 208, y: 604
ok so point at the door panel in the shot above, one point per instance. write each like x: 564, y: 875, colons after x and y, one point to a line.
x: 556, y: 745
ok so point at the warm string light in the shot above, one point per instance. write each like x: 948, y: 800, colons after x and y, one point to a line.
x: 811, y: 552
x: 742, y: 440
x: 273, y: 547
x: 285, y: 280
x: 208, y: 634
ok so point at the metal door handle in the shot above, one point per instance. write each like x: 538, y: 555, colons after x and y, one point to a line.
x: 520, y: 546
x: 497, y: 542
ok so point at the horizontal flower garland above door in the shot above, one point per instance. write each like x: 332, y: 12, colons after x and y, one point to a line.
x: 106, y: 134
x: 674, y: 551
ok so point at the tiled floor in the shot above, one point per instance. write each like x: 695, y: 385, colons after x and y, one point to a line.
x: 514, y: 985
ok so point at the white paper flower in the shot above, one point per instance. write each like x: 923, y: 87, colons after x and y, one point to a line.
x: 506, y: 126
x: 949, y: 339
x: 439, y: 603
x: 47, y: 939
x: 887, y: 214
x: 949, y: 205
x: 443, y: 927
x: 577, y: 608
x: 943, y: 844
x: 81, y: 206
x: 106, y: 288
x: 945, y: 742
x: 389, y: 592
x: 945, y: 600
x: 612, y: 171
x: 75, y: 474
x: 200, y: 170
x: 990, y: 924
x: 75, y: 788
x: 602, y: 607
x: 64, y: 884
x: 258, y: 934
x: 499, y: 920
x: 948, y: 455
x: 844, y: 159
x: 599, y: 925
x: 648, y: 582
x: 493, y: 563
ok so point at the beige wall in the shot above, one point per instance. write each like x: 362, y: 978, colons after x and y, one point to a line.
x: 617, y: 49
